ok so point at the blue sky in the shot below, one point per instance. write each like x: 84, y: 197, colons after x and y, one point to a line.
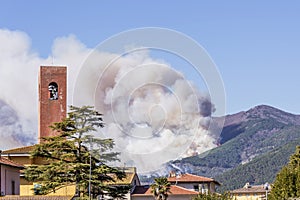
x: 255, y: 44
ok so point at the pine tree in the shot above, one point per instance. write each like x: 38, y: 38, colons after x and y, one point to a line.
x: 69, y: 157
x: 287, y: 183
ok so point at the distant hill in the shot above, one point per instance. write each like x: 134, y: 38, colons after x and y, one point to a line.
x: 260, y: 170
x: 261, y: 138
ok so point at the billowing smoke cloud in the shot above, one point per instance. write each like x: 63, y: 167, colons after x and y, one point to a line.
x: 19, y: 66
x: 151, y: 111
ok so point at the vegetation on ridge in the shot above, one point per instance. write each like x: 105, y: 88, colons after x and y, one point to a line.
x: 259, y: 143
x: 260, y: 170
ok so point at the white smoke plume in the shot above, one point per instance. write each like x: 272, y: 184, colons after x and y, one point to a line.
x: 19, y: 66
x: 151, y: 111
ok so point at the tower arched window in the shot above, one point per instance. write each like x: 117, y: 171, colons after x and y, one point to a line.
x: 53, y: 91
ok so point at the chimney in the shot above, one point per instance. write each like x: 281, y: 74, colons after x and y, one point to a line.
x: 172, y: 174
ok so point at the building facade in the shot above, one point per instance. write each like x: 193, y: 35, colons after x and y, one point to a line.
x: 183, y: 187
x: 10, y: 177
x: 52, y: 98
x: 251, y: 192
x: 196, y: 183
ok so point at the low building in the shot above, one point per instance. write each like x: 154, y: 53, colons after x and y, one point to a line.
x: 192, y: 182
x: 131, y: 179
x: 183, y: 187
x: 22, y: 155
x: 10, y: 177
x: 176, y: 193
x: 251, y: 192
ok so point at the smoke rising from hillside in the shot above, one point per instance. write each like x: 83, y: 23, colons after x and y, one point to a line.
x: 151, y: 111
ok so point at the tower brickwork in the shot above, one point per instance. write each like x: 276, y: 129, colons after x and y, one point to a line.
x: 52, y: 98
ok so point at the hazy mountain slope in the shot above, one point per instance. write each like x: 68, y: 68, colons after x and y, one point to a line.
x: 260, y: 170
x: 246, y: 135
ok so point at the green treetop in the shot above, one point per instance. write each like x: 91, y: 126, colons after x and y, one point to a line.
x: 73, y: 153
x: 161, y: 188
x: 287, y: 183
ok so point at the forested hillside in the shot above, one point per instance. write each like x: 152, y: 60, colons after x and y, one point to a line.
x: 260, y: 170
x: 254, y: 146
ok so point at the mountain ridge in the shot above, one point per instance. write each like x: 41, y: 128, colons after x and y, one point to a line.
x: 246, y: 135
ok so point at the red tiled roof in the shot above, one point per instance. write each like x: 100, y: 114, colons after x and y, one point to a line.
x: 20, y: 150
x: 190, y: 178
x: 250, y: 190
x: 36, y: 197
x: 174, y: 190
x: 5, y: 161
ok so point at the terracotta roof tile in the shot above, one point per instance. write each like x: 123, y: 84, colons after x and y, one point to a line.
x: 175, y: 190
x: 5, y: 161
x: 190, y: 178
x: 25, y: 149
x: 37, y: 197
x: 252, y: 189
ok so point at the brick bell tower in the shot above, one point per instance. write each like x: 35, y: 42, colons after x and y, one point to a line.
x: 52, y: 98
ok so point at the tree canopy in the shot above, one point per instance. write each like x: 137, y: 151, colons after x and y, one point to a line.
x: 287, y: 183
x: 161, y: 188
x: 73, y: 153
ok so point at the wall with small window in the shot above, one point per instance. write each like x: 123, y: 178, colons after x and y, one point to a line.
x: 10, y: 180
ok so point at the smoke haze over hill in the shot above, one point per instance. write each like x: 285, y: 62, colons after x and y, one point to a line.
x: 149, y: 108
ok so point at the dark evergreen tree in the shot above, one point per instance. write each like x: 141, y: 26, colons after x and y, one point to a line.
x: 69, y: 157
x: 287, y: 183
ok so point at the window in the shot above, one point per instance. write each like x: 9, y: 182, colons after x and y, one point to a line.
x: 53, y: 91
x: 196, y: 188
x: 13, y: 188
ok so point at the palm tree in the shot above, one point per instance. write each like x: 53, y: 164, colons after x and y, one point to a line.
x: 160, y: 188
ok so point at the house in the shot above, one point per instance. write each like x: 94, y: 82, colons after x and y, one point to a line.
x: 131, y: 179
x: 10, y: 177
x: 176, y: 193
x: 251, y: 192
x: 192, y: 182
x: 22, y: 155
x: 183, y: 187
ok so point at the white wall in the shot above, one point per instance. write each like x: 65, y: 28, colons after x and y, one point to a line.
x: 9, y: 174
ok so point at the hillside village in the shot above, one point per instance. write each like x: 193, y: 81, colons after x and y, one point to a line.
x: 52, y: 108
